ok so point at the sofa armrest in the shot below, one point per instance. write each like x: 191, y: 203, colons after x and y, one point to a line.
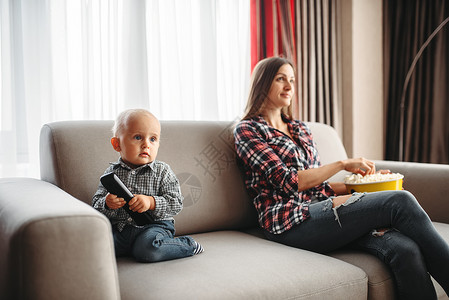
x: 53, y: 246
x: 428, y: 182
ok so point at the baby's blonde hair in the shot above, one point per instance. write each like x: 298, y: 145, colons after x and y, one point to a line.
x: 123, y: 117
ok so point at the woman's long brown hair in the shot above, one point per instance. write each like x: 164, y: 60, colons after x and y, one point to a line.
x: 263, y: 75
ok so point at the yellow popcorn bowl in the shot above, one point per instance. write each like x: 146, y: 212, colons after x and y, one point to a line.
x: 386, y: 185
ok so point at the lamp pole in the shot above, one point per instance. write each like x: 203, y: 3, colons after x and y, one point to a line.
x: 407, y: 80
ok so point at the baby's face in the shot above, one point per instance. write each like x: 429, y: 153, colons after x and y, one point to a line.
x: 139, y: 141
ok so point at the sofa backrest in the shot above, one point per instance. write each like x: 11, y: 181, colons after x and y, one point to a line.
x: 330, y: 146
x: 74, y: 154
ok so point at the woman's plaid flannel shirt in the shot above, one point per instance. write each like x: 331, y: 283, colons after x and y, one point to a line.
x: 270, y: 160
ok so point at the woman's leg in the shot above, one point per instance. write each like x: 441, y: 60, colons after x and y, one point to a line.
x: 157, y: 243
x: 330, y: 228
x: 405, y: 260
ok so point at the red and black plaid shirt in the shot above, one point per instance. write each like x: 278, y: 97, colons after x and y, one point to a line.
x: 271, y: 161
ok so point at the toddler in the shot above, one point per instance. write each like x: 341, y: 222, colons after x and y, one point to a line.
x: 136, y: 136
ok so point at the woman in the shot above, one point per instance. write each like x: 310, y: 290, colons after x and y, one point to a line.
x: 297, y: 206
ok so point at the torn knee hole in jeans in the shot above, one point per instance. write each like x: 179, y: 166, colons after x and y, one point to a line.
x: 380, y: 232
x: 354, y: 198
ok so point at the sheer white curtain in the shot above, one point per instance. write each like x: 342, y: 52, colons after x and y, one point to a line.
x: 90, y: 59
x: 202, y: 55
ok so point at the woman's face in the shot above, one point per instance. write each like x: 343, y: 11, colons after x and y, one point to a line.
x: 282, y: 88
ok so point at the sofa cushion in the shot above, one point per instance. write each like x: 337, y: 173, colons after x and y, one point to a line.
x: 203, y: 157
x: 329, y: 145
x: 237, y: 265
x: 380, y: 279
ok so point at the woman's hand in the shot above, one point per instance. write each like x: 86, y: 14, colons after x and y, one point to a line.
x: 314, y: 176
x: 360, y: 166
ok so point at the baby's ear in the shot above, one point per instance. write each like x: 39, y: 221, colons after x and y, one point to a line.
x: 115, y: 142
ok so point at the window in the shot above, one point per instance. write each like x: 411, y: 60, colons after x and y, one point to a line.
x: 86, y: 59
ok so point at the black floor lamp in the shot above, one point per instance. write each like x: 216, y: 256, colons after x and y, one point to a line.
x: 407, y: 80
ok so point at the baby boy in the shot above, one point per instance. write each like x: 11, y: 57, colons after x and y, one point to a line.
x: 136, y: 136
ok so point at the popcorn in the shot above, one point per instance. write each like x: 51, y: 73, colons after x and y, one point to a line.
x: 377, y: 177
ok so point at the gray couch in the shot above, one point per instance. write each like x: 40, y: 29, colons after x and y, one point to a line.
x: 54, y: 245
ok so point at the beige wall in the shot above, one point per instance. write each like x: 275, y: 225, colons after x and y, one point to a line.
x: 362, y: 85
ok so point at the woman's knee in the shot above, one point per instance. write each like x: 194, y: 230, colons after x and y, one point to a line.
x: 402, y: 251
x: 407, y: 200
x: 404, y: 195
x: 406, y: 253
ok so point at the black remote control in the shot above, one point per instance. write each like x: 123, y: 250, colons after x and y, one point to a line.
x: 116, y: 187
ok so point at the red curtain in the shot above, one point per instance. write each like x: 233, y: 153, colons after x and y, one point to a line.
x: 272, y: 29
x: 306, y: 32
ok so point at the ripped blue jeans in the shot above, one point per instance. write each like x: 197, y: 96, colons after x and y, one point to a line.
x: 411, y: 246
x: 152, y: 243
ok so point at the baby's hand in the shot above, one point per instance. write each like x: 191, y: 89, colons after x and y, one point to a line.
x: 114, y: 202
x: 142, y: 203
